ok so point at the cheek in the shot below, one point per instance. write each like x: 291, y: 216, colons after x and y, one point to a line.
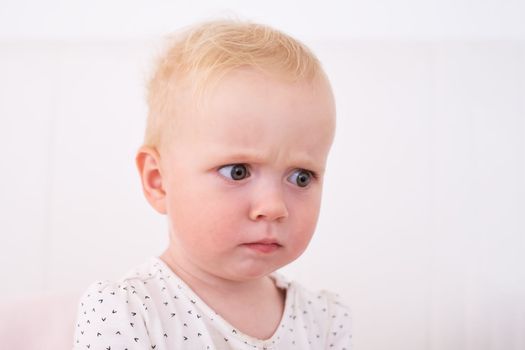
x: 306, y: 227
x: 202, y: 219
x: 305, y: 218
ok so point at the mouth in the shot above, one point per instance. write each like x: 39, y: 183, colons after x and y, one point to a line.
x: 264, y: 246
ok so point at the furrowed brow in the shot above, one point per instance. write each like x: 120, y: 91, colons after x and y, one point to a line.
x: 257, y: 158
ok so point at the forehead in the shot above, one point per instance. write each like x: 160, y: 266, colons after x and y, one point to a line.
x: 253, y: 111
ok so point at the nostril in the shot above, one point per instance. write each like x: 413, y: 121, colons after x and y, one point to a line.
x: 269, y: 214
x: 268, y: 204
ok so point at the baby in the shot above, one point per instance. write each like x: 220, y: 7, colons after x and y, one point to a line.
x: 241, y: 120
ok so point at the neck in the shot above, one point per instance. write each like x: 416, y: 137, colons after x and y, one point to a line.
x: 235, y: 301
x: 202, y: 282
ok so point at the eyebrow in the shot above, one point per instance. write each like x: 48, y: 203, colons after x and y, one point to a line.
x: 303, y: 161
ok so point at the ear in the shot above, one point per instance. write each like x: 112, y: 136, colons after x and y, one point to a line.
x: 148, y: 165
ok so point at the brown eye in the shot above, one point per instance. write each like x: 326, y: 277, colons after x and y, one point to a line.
x: 234, y: 171
x: 301, y: 177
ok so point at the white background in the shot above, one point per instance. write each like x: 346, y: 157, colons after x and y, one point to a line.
x: 422, y: 228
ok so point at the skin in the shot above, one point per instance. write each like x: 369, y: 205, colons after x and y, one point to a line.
x: 275, y: 131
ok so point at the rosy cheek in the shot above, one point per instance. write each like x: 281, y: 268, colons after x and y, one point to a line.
x: 223, y: 232
x: 306, y: 233
x: 306, y: 225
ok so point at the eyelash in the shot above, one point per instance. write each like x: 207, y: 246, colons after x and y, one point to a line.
x: 312, y: 173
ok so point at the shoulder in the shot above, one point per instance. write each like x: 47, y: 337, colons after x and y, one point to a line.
x: 328, y: 304
x: 109, y: 311
x: 133, y: 286
x: 107, y: 302
x: 105, y: 292
x: 330, y: 313
x: 322, y: 301
x: 128, y: 288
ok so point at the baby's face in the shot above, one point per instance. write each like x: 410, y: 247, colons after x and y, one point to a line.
x: 247, y: 167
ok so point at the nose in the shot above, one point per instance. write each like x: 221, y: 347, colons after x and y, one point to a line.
x: 269, y: 204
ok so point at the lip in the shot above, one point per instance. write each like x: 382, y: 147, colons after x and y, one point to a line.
x: 264, y: 245
x: 266, y: 241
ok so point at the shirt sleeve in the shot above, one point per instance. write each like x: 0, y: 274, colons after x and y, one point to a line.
x: 340, y: 324
x: 110, y: 316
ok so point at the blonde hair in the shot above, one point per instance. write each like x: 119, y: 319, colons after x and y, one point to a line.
x: 201, y: 54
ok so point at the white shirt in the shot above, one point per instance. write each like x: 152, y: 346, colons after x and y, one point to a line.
x: 152, y: 308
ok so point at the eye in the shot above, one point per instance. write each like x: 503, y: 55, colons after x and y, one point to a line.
x: 301, y: 177
x: 234, y: 171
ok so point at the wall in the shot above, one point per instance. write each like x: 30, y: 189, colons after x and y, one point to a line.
x: 422, y: 227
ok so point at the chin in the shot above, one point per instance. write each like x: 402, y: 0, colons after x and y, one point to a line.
x: 252, y: 273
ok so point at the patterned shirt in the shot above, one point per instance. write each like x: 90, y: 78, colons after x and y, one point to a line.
x: 152, y: 308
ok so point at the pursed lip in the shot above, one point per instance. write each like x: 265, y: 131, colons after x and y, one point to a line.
x: 266, y: 241
x: 264, y: 246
